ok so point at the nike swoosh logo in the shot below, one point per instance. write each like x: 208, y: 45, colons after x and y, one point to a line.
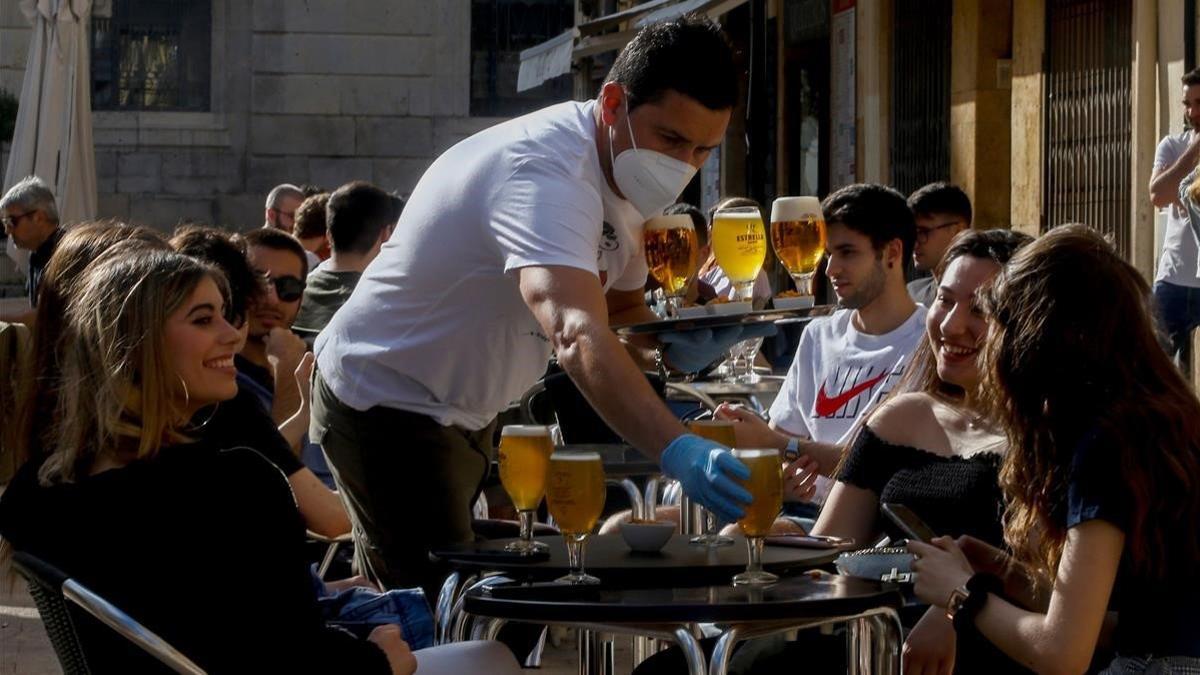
x: 827, y: 407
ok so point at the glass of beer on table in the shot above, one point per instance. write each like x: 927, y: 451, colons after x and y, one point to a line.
x: 739, y: 244
x: 717, y: 431
x: 798, y: 235
x: 575, y: 495
x: 765, y: 486
x: 671, y: 249
x: 525, y: 451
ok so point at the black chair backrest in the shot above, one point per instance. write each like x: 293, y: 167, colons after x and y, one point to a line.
x: 82, y: 643
x: 577, y: 420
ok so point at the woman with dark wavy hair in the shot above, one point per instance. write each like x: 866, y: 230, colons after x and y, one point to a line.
x: 1100, y: 478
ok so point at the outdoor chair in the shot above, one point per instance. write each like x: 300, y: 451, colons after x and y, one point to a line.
x: 88, y: 633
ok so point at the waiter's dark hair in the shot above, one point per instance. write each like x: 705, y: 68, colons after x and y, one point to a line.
x: 689, y: 55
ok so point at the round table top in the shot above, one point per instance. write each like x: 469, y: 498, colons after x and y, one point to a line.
x: 607, y: 557
x: 766, y: 384
x: 806, y: 596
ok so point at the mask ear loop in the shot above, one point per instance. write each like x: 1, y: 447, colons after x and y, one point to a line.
x: 612, y: 134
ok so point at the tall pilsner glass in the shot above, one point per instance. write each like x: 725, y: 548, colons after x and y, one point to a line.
x: 798, y: 235
x: 740, y: 247
x: 717, y: 431
x: 765, y: 486
x: 575, y: 495
x: 671, y: 249
x: 524, y: 461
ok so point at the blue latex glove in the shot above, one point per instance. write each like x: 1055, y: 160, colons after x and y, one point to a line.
x: 693, y: 350
x: 707, y: 471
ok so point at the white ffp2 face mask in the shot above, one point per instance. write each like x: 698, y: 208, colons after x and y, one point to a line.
x: 650, y: 180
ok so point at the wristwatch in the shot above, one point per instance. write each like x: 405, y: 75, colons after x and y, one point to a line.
x: 791, y: 451
x: 967, y: 600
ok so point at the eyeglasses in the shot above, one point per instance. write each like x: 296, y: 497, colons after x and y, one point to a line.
x: 11, y: 221
x: 923, y: 233
x: 287, y: 288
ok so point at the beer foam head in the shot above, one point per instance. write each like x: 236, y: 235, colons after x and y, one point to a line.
x: 753, y: 453
x: 739, y: 213
x: 575, y: 456
x: 680, y: 221
x: 525, y: 430
x: 795, y: 208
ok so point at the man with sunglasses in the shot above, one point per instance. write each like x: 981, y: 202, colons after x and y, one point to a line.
x: 273, y: 353
x: 30, y: 217
x: 942, y: 211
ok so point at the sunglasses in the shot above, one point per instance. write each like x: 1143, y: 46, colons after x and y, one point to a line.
x: 287, y: 288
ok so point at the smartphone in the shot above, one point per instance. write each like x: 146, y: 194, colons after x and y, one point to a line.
x: 809, y: 541
x: 909, y: 523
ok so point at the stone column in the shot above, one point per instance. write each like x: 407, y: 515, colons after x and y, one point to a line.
x: 1029, y: 42
x: 981, y: 107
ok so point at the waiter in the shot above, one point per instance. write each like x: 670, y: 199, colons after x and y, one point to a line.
x: 522, y: 240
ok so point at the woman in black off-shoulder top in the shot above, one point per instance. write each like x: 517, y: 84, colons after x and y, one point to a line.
x: 927, y: 447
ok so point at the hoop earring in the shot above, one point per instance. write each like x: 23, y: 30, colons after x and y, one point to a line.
x: 211, y: 415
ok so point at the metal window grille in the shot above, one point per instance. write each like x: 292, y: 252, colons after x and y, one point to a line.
x: 920, y: 151
x: 500, y: 29
x: 1088, y: 110
x: 152, y: 55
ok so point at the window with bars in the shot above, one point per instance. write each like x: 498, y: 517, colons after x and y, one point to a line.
x: 152, y: 55
x: 500, y: 29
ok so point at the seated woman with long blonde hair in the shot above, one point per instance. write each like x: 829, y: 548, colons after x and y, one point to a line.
x: 125, y: 502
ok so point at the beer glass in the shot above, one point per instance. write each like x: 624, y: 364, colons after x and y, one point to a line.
x: 575, y: 495
x: 798, y: 235
x: 740, y: 247
x: 524, y: 459
x: 717, y: 431
x: 671, y: 250
x: 766, y: 487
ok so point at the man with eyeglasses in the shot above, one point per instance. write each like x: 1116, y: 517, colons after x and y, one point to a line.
x: 273, y: 353
x: 30, y: 217
x: 942, y: 211
x: 281, y: 206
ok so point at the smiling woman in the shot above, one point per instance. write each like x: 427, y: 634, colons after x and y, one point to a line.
x: 120, y: 499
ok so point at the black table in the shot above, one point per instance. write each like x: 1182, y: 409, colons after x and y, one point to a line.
x: 868, y: 607
x: 679, y: 564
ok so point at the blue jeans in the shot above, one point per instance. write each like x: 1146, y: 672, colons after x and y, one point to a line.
x: 1179, y: 313
x: 361, y: 609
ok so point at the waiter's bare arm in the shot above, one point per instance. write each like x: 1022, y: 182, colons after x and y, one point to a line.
x: 626, y: 307
x: 570, y: 306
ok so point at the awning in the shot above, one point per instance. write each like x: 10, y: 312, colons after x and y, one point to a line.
x: 553, y: 58
x: 547, y: 60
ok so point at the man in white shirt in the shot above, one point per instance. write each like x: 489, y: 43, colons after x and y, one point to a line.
x: 1177, y: 283
x: 849, y: 360
x: 520, y: 241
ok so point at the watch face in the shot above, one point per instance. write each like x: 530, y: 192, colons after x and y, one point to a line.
x: 957, y: 597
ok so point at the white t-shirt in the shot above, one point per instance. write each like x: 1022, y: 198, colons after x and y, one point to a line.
x: 839, y: 373
x: 1178, y: 262
x: 437, y: 325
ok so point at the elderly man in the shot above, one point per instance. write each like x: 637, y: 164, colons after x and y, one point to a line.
x: 31, y: 219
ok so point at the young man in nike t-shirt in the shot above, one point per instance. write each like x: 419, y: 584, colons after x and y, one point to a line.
x: 847, y: 361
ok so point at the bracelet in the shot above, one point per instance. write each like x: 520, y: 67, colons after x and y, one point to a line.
x: 966, y: 602
x: 791, y: 452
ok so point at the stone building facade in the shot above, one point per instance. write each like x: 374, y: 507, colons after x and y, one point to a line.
x: 319, y: 92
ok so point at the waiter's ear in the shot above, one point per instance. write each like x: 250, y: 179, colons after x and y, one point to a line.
x: 612, y: 95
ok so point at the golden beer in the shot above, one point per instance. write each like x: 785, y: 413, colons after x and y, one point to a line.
x: 575, y: 491
x: 765, y: 486
x: 717, y: 431
x: 739, y: 244
x: 798, y: 235
x: 524, y: 460
x: 671, y: 250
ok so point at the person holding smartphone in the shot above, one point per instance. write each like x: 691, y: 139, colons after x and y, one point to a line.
x: 1099, y: 480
